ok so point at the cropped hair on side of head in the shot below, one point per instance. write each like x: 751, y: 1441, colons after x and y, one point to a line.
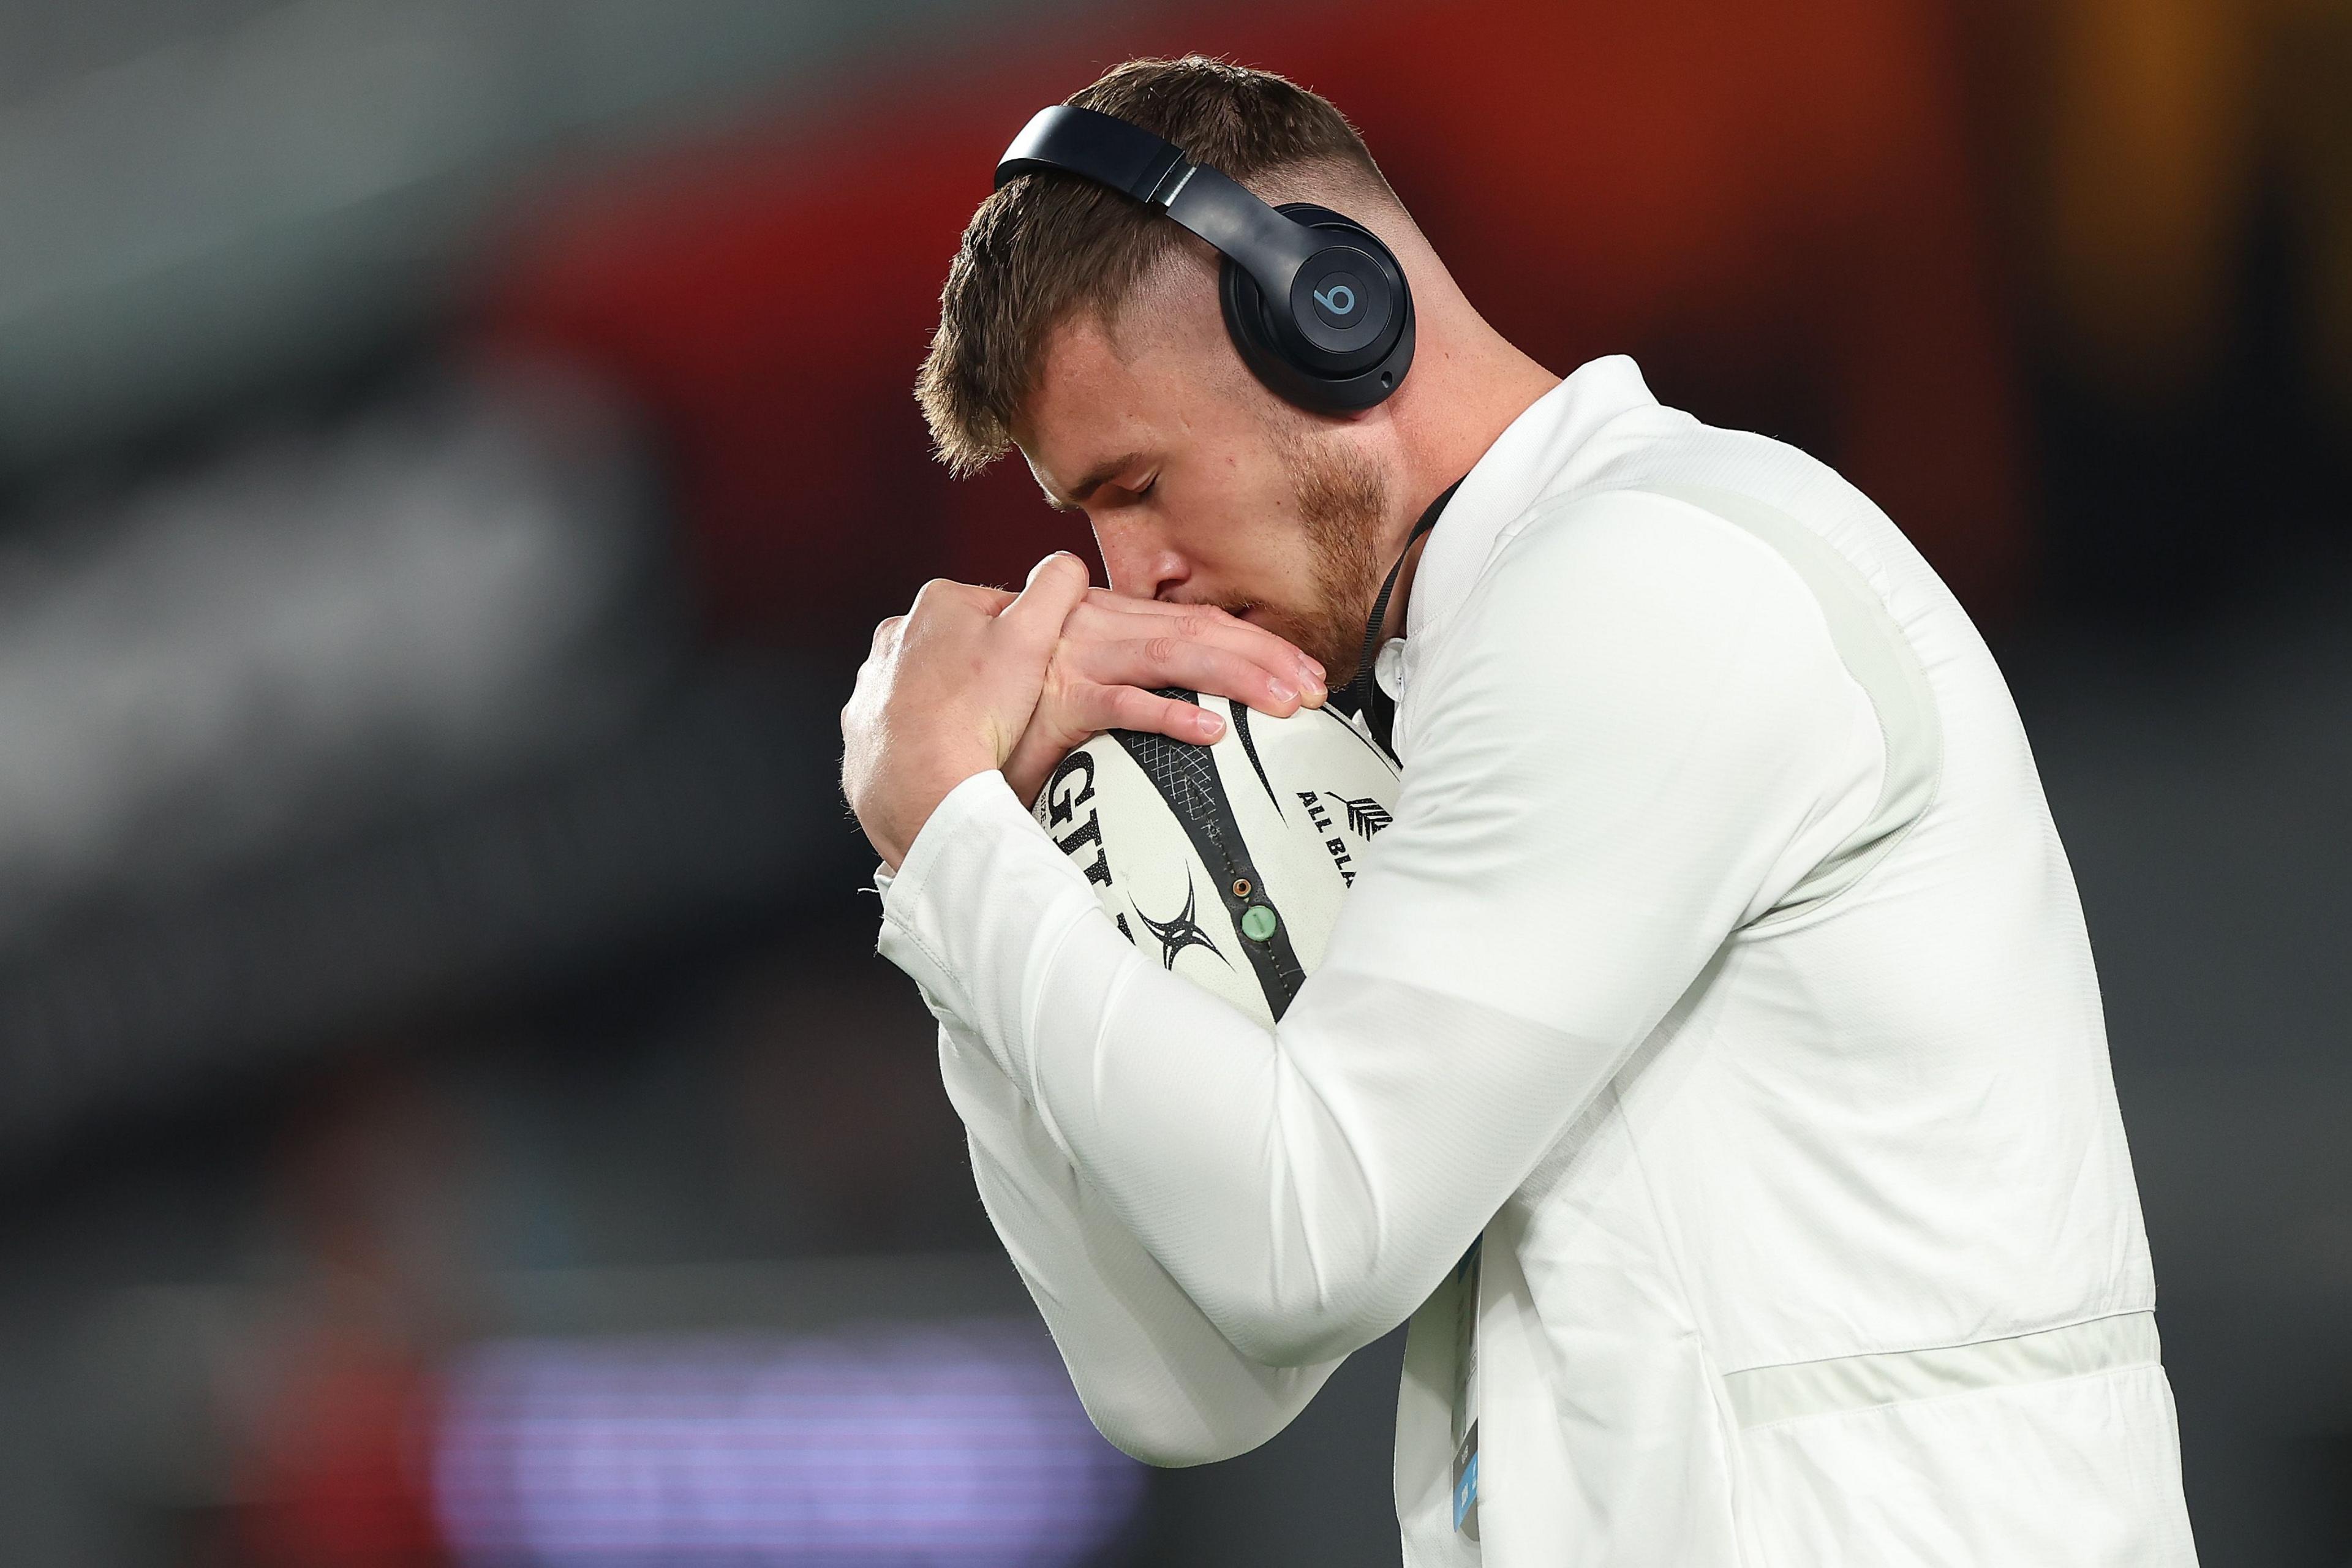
x: 1050, y: 245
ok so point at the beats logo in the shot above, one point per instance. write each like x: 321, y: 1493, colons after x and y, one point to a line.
x: 1340, y: 302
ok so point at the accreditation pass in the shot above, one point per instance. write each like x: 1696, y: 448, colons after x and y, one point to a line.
x: 1466, y: 1391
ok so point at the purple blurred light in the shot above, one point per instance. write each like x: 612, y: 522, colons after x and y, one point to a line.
x: 947, y: 1446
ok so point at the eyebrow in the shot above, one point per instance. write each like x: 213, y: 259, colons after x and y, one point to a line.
x: 1102, y: 474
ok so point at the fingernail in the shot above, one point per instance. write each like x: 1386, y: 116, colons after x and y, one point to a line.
x: 1310, y: 669
x: 1283, y: 690
x: 1211, y: 725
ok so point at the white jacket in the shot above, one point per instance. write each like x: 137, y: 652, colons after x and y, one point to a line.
x: 1721, y: 968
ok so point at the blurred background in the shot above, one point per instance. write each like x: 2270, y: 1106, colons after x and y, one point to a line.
x: 451, y: 455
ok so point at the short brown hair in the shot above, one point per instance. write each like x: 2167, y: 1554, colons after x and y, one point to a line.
x: 1051, y: 244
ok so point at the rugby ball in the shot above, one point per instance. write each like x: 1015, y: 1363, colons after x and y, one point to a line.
x: 1225, y: 863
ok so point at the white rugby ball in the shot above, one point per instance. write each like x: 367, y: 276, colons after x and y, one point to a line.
x: 1225, y: 863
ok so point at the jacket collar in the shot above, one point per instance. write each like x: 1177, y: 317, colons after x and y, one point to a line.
x: 1540, y: 453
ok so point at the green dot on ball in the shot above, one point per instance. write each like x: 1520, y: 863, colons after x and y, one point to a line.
x: 1258, y: 923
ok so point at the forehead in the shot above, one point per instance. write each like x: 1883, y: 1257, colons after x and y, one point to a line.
x: 1162, y: 369
x: 1094, y: 392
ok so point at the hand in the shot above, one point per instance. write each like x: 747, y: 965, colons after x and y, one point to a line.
x: 1113, y: 650
x: 946, y: 692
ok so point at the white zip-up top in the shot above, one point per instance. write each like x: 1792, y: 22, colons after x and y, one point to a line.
x: 1721, y: 970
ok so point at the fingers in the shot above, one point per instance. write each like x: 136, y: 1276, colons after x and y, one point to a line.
x: 1132, y: 708
x: 1089, y: 710
x: 1057, y: 585
x: 1105, y: 618
x: 1195, y: 666
x: 1206, y: 622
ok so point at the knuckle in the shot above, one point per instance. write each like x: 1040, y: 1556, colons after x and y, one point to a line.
x: 1162, y: 652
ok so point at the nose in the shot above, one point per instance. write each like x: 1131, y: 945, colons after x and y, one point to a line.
x: 1140, y: 565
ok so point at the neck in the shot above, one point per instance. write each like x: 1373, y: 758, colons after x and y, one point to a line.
x: 1472, y: 391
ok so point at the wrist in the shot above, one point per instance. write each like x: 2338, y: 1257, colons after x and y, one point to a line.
x: 893, y: 831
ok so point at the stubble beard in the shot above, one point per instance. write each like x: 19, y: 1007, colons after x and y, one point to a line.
x: 1343, y: 501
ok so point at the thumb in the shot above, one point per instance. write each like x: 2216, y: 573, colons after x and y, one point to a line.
x: 1057, y: 584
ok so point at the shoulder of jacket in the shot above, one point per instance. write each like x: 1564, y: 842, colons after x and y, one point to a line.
x: 1632, y: 540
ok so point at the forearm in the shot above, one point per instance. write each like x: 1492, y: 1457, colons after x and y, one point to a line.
x: 1157, y: 1377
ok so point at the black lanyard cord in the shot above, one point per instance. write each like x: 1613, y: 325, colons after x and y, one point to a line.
x: 1363, y: 691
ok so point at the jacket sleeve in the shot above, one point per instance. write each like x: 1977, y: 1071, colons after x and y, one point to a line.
x: 1160, y: 1383
x: 1633, y: 736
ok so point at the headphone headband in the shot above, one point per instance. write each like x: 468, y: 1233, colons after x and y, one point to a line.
x: 1292, y: 333
x: 1130, y: 159
x: 1102, y: 147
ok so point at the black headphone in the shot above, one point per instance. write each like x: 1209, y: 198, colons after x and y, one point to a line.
x: 1317, y: 306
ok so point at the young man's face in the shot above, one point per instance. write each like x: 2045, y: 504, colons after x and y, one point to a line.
x: 1203, y: 487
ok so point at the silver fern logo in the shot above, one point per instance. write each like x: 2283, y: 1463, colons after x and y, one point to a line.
x: 1366, y: 815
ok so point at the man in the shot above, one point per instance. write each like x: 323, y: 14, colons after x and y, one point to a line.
x: 1721, y: 977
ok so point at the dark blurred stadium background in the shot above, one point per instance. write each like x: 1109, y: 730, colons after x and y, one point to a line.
x: 451, y: 452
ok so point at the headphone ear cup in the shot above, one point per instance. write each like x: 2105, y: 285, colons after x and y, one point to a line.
x: 1255, y: 337
x: 1261, y: 342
